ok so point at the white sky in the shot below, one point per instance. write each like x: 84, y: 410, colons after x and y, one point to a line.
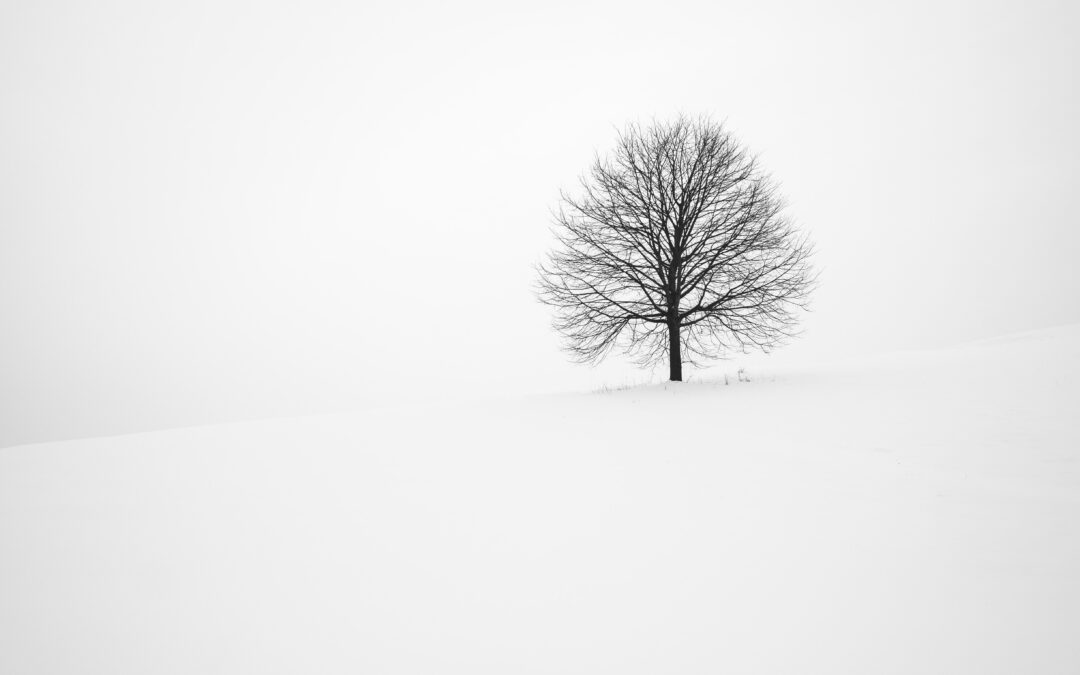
x: 219, y: 210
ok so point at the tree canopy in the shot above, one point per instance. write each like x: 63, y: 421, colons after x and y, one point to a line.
x: 677, y: 247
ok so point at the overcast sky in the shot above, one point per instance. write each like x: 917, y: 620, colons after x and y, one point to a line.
x: 220, y: 210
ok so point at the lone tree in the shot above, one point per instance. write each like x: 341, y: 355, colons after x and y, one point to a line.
x: 677, y: 248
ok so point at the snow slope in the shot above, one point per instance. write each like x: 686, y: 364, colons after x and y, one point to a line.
x: 912, y: 513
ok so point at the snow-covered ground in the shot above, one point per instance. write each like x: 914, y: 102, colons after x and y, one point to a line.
x: 911, y: 513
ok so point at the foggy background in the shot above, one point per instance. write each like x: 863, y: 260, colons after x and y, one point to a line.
x: 213, y: 211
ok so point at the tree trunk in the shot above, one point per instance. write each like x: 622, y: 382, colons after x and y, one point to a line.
x: 675, y: 352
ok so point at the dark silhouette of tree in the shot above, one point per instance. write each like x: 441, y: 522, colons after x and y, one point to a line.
x: 677, y: 248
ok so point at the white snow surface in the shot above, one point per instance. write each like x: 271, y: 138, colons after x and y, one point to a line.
x: 910, y: 513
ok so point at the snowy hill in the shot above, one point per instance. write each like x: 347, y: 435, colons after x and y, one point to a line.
x: 912, y: 513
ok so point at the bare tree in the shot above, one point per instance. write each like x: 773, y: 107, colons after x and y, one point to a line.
x: 677, y: 248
